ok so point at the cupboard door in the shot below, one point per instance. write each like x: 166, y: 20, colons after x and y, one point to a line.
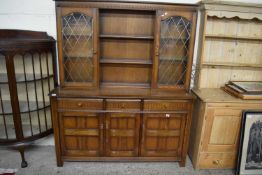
x: 221, y: 130
x: 163, y: 135
x: 81, y: 134
x: 122, y: 134
x: 174, y: 49
x: 77, y: 41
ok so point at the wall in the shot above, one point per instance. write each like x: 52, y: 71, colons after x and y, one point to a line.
x: 39, y: 15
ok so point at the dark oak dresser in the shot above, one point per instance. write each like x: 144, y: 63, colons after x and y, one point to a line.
x: 125, y: 70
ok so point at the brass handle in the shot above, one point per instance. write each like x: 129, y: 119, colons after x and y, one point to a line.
x: 80, y: 104
x: 216, y: 162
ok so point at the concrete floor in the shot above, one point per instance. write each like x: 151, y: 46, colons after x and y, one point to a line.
x: 41, y: 160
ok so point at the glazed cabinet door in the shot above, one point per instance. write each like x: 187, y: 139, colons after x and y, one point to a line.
x: 122, y: 134
x: 175, y: 33
x: 81, y: 134
x: 163, y: 135
x: 221, y: 130
x: 77, y: 44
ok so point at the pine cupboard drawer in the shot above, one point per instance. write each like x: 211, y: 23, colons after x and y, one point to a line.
x: 80, y: 104
x: 115, y: 104
x: 217, y: 160
x: 166, y: 105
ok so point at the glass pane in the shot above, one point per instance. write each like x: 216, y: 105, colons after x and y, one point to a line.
x: 26, y: 124
x: 173, y: 53
x: 9, y: 129
x: 78, y: 47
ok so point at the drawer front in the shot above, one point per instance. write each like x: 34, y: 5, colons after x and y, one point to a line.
x: 217, y: 160
x: 115, y: 104
x: 166, y: 105
x: 80, y: 103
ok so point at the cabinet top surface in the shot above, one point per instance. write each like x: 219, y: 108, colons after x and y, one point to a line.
x: 214, y: 95
x: 119, y: 93
x: 132, y: 1
x: 9, y: 39
x: 231, y: 7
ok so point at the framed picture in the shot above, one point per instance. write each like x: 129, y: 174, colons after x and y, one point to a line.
x: 250, y: 150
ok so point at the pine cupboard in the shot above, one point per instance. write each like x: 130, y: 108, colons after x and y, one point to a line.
x: 229, y: 50
x: 125, y: 70
x: 214, y: 138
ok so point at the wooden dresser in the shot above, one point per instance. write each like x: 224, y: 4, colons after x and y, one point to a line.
x: 229, y: 49
x: 125, y: 71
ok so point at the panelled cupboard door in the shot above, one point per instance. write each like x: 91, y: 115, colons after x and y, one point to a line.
x: 175, y: 32
x: 163, y: 135
x: 122, y: 134
x: 81, y: 134
x: 221, y: 130
x: 77, y: 40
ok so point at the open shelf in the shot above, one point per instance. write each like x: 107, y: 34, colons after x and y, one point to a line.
x: 125, y: 61
x: 135, y: 85
x: 219, y: 64
x: 20, y: 78
x: 24, y: 106
x: 233, y: 37
x: 140, y: 37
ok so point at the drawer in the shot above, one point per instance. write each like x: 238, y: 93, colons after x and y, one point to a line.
x: 166, y: 105
x: 80, y: 103
x: 122, y: 104
x: 217, y: 160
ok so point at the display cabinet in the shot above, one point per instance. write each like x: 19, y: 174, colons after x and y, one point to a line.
x: 125, y: 70
x: 229, y: 50
x: 26, y: 78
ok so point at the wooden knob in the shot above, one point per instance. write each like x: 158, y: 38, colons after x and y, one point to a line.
x: 79, y: 104
x: 122, y: 106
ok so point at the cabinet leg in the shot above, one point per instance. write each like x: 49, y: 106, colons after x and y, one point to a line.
x: 182, y: 163
x: 59, y: 162
x: 22, y: 153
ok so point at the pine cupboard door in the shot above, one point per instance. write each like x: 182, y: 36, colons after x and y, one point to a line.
x: 81, y: 134
x: 174, y: 43
x: 77, y: 46
x: 222, y: 128
x: 122, y: 134
x: 163, y: 135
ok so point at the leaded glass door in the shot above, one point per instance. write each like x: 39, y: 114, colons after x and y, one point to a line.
x: 174, y: 49
x: 78, y: 46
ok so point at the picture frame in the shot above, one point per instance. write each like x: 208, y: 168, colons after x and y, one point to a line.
x: 250, y: 149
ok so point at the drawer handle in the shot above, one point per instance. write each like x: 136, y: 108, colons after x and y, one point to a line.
x: 79, y: 104
x: 216, y: 162
x: 123, y: 106
x: 167, y: 115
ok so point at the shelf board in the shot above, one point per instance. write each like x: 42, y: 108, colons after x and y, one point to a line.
x: 125, y: 61
x: 21, y: 79
x: 122, y: 84
x: 233, y: 37
x: 23, y: 106
x: 140, y: 37
x: 219, y: 64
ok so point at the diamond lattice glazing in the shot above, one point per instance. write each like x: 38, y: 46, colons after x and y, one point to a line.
x: 77, y: 47
x: 174, y: 41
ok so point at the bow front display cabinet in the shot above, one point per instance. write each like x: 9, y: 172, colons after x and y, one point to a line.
x: 125, y: 70
x: 27, y: 75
